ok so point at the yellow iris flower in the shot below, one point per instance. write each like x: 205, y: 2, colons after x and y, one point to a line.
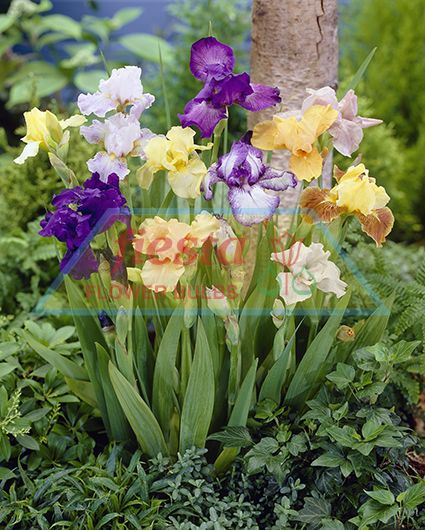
x: 297, y: 136
x: 171, y: 247
x: 44, y: 131
x: 176, y: 154
x: 354, y: 194
x: 357, y: 192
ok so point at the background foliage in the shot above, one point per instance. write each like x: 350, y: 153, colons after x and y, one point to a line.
x: 395, y: 86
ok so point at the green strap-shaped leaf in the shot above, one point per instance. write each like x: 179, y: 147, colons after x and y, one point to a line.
x: 239, y: 415
x: 163, y: 393
x: 83, y: 390
x: 116, y: 423
x: 89, y: 333
x: 358, y: 76
x: 278, y: 373
x: 142, y: 353
x: 309, y: 373
x: 65, y: 366
x: 199, y: 398
x: 142, y: 421
x: 238, y: 418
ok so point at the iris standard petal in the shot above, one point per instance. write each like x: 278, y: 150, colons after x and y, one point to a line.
x: 161, y: 275
x: 209, y: 57
x: 186, y: 183
x: 94, y: 133
x: 292, y: 288
x: 232, y: 160
x: 121, y: 134
x: 97, y: 103
x: 211, y: 178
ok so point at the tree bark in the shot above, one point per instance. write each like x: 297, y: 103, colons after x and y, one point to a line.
x: 294, y: 47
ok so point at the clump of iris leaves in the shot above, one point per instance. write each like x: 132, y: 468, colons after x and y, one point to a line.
x: 345, y: 462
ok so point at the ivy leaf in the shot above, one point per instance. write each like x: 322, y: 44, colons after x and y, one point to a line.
x: 346, y: 436
x: 329, y: 460
x: 331, y: 524
x: 372, y: 429
x: 413, y: 497
x: 342, y: 376
x: 232, y: 436
x: 297, y: 444
x: 315, y: 509
x: 402, y: 351
x: 382, y: 496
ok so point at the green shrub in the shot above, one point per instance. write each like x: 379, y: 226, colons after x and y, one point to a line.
x: 28, y: 262
x: 395, y: 85
x: 76, y: 46
x: 27, y: 190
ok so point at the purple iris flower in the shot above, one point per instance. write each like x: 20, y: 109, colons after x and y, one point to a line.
x: 80, y: 213
x: 213, y: 62
x: 242, y: 169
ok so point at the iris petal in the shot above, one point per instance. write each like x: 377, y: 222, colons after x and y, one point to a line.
x: 261, y: 97
x: 232, y: 90
x: 252, y: 205
x: 278, y: 180
x: 202, y: 114
x: 209, y: 57
x: 103, y: 164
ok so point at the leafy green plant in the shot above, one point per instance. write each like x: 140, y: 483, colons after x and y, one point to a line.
x: 32, y: 185
x: 393, y: 27
x: 30, y: 77
x: 40, y: 420
x: 383, y: 507
x: 96, y: 492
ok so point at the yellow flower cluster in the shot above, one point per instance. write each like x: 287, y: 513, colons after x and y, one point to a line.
x: 171, y: 247
x: 297, y: 136
x: 176, y: 154
x: 354, y: 194
x: 44, y: 131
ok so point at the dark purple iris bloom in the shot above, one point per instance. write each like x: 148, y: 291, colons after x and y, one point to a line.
x: 212, y: 62
x: 81, y: 213
x: 242, y: 169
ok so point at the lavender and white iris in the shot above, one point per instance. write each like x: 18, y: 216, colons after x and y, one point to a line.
x: 122, y: 89
x: 248, y: 180
x: 212, y: 62
x: 119, y: 135
x: 347, y: 130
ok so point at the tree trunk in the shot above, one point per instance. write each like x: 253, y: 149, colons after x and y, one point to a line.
x: 294, y: 47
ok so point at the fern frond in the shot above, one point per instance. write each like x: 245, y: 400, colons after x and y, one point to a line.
x: 413, y: 314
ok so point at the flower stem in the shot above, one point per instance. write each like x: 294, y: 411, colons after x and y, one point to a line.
x: 218, y: 131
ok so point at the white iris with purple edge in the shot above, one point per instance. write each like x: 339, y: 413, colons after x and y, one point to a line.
x: 248, y: 180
